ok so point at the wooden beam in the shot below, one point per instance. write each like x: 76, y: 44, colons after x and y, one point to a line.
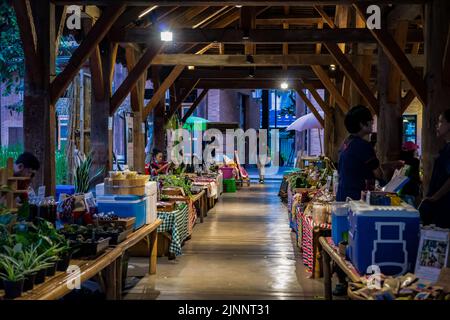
x: 205, y: 20
x: 244, y: 74
x: 394, y: 87
x: 398, y: 58
x: 60, y: 20
x: 28, y: 35
x: 160, y: 93
x: 225, y: 21
x: 310, y: 106
x: 183, y: 21
x: 134, y: 75
x: 195, y: 105
x: 407, y: 100
x: 247, y: 23
x: 325, y: 16
x: 259, y: 36
x: 95, y: 64
x: 86, y: 48
x: 331, y: 88
x: 354, y: 76
x: 288, y: 19
x: 325, y: 107
x: 188, y: 3
x: 241, y: 60
x: 243, y: 84
x: 187, y: 91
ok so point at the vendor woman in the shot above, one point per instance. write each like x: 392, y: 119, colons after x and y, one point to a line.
x: 158, y: 165
x: 435, y: 208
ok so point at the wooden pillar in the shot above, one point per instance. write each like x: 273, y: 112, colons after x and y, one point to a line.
x: 390, y: 124
x: 137, y: 106
x: 159, y: 135
x: 39, y: 116
x: 437, y: 17
x: 101, y: 124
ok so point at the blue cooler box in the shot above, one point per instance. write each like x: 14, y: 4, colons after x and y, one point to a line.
x: 124, y: 207
x: 339, y: 222
x: 64, y: 188
x: 385, y: 236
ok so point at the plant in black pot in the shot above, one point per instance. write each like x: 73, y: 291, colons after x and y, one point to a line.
x: 51, y: 255
x: 32, y: 263
x: 12, y: 276
x: 65, y: 255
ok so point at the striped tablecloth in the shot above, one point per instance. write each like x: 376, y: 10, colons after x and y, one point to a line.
x: 177, y: 224
x: 308, y: 238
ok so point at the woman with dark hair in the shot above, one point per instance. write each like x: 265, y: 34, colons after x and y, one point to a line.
x: 158, y: 165
x: 435, y: 208
x: 411, y: 190
x: 358, y: 164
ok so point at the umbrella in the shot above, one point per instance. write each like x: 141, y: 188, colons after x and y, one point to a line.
x: 307, y: 122
x: 195, y: 123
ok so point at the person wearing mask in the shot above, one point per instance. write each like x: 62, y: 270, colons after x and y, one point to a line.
x: 410, y: 192
x: 158, y: 165
x: 435, y: 207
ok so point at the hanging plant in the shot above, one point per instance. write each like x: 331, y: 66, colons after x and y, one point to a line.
x: 82, y: 179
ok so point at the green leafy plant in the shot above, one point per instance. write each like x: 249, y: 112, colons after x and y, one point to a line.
x: 12, y: 269
x: 178, y: 181
x: 82, y: 179
x: 31, y: 261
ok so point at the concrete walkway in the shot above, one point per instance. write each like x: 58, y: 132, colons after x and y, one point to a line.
x: 243, y: 250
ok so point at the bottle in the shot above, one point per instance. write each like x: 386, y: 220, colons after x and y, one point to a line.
x: 335, y: 181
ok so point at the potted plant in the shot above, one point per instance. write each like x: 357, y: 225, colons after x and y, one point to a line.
x: 64, y: 256
x: 13, y: 277
x: 32, y: 262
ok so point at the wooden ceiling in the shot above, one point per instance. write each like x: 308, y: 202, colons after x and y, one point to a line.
x: 248, y: 43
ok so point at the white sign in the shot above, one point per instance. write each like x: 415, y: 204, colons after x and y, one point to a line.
x: 433, y: 253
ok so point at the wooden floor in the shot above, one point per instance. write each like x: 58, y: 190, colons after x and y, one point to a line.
x: 243, y: 250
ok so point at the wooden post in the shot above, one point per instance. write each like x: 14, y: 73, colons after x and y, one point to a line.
x: 389, y: 95
x: 101, y: 124
x: 437, y: 16
x: 137, y: 105
x: 159, y: 135
x: 39, y: 117
x: 389, y: 118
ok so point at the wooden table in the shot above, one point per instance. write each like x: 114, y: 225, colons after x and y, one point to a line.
x: 108, y: 266
x: 330, y: 254
x: 200, y: 199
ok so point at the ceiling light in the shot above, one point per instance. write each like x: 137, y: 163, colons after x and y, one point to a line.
x: 284, y: 85
x: 147, y: 11
x: 332, y: 67
x: 191, y: 67
x: 166, y: 36
x: 239, y: 6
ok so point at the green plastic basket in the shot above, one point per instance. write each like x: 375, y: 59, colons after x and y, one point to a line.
x: 229, y: 185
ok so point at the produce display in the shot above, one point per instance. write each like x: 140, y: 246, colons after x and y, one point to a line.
x: 407, y: 287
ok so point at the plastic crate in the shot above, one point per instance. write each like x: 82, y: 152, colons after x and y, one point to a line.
x: 229, y: 185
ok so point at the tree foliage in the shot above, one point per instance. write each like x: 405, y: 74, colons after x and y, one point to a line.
x: 11, y: 51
